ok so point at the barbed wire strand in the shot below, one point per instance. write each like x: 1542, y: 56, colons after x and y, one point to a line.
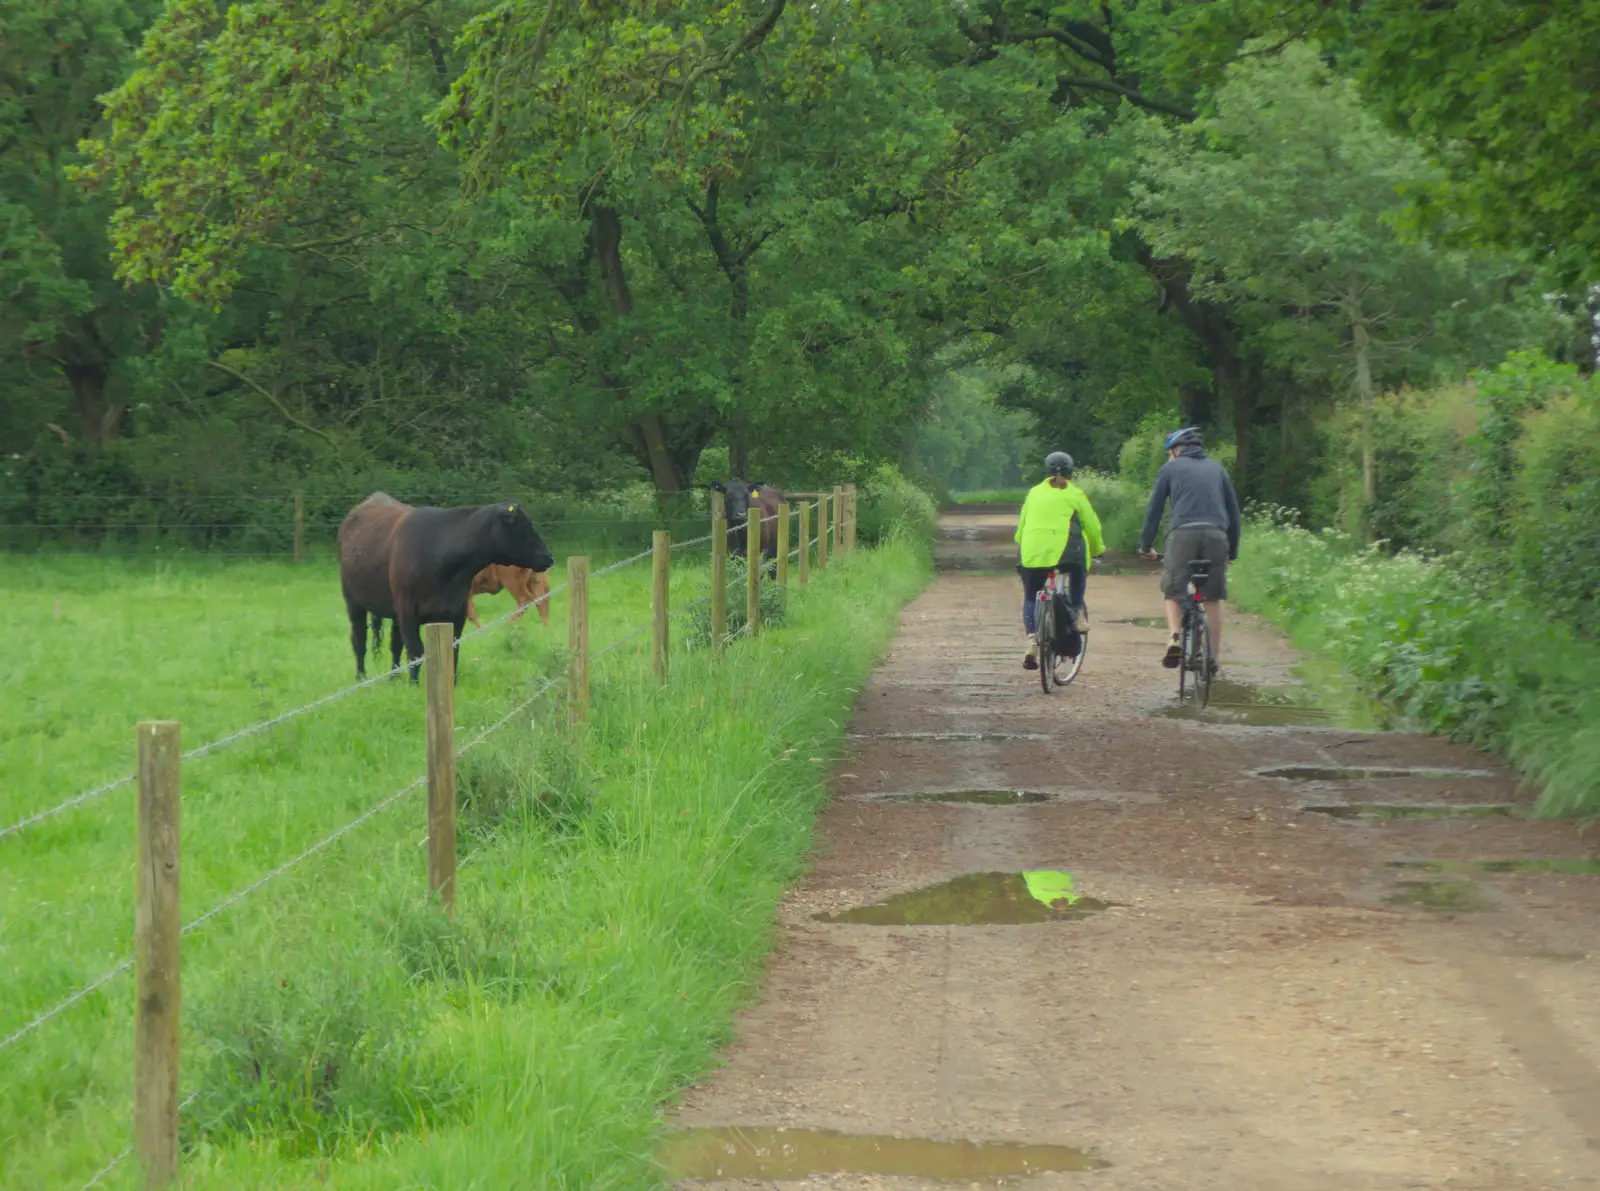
x: 94, y: 1181
x: 127, y: 1152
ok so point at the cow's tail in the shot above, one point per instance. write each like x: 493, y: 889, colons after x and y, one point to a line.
x: 377, y: 636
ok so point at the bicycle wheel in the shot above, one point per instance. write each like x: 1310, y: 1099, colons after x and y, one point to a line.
x: 1071, y: 666
x: 1044, y: 634
x: 1202, y: 655
x: 1183, y: 657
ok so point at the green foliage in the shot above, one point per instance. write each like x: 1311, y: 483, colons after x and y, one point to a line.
x: 967, y: 442
x: 1499, y: 471
x: 888, y: 504
x: 1424, y: 459
x: 1555, y: 516
x: 1447, y: 642
x: 1284, y: 197
x: 1506, y: 93
x: 1118, y: 503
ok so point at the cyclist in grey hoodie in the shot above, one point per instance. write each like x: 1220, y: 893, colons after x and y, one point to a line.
x: 1204, y: 524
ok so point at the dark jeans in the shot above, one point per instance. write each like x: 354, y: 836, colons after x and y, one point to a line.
x: 1033, y: 583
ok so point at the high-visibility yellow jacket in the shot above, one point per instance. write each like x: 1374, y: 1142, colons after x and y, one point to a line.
x: 1046, y: 524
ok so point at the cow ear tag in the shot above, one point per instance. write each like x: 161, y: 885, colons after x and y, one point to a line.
x: 755, y: 492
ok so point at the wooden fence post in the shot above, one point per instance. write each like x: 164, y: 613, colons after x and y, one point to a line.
x: 822, y: 532
x: 753, y: 564
x: 805, y: 543
x: 299, y: 526
x: 850, y: 523
x: 156, y: 931
x: 838, y: 518
x: 578, y: 639
x: 439, y: 680
x: 719, y: 576
x: 660, y: 593
x: 783, y: 543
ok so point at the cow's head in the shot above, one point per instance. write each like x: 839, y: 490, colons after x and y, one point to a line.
x: 737, y: 497
x: 514, y: 541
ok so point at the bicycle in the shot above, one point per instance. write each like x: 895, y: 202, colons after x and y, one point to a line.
x: 1044, y: 624
x: 1194, y: 638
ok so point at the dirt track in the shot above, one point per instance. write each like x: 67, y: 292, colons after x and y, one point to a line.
x: 1250, y: 1013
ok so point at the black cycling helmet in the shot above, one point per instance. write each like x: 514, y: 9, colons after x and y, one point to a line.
x: 1189, y: 436
x: 1058, y: 463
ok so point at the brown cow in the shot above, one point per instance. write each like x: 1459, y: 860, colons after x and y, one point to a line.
x: 415, y: 566
x: 526, y: 587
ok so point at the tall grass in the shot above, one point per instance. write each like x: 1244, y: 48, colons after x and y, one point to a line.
x: 615, y: 896
x: 1453, y: 647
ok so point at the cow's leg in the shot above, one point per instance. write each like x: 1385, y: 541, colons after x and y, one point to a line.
x: 405, y: 623
x: 397, y: 645
x: 455, y: 670
x: 472, y: 615
x: 358, y: 636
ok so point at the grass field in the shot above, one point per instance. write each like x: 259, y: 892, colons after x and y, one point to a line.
x: 616, y: 892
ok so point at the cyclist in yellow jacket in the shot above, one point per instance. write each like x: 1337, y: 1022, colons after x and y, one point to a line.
x: 1058, y: 529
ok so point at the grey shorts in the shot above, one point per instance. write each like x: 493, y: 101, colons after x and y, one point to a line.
x: 1187, y: 544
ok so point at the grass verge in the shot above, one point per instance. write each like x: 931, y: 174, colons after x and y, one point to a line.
x: 616, y: 897
x: 1444, y: 644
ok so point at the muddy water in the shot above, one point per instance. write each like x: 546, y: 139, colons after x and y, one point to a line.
x: 735, y: 1152
x: 973, y: 899
x: 1571, y: 866
x: 979, y: 797
x: 1274, y: 706
x: 1335, y: 773
x: 1387, y: 811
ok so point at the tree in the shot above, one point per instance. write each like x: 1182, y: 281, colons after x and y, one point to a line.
x: 1284, y: 198
x: 1505, y: 93
x: 62, y: 310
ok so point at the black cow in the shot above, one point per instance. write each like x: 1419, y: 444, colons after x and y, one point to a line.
x: 415, y: 566
x: 737, y: 499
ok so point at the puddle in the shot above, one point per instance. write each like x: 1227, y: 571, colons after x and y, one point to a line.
x: 1456, y: 896
x: 1383, y: 811
x: 1259, y: 706
x: 982, y: 797
x: 1572, y: 866
x: 1335, y: 773
x: 953, y: 737
x: 737, y: 1152
x: 978, y: 899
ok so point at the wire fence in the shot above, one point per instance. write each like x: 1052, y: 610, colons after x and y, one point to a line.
x: 266, y: 725
x: 327, y: 840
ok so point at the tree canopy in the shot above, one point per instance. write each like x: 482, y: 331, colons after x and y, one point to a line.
x: 588, y: 239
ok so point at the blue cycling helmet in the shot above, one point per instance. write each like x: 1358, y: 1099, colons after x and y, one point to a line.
x: 1188, y: 436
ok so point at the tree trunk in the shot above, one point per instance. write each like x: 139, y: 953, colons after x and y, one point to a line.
x: 664, y: 471
x: 1361, y: 337
x: 97, y: 415
x: 738, y: 456
x: 1194, y: 406
x: 649, y: 429
x: 1234, y: 374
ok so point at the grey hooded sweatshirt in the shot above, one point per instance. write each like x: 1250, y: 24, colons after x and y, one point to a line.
x: 1201, y: 494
